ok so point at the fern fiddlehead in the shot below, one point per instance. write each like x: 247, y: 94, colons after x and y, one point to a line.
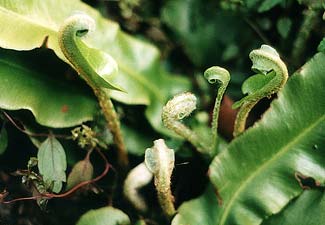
x: 176, y: 109
x: 70, y: 34
x: 160, y: 160
x: 213, y: 75
x: 273, y: 75
x: 137, y: 178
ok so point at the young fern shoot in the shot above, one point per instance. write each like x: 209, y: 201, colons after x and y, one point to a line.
x: 137, y: 178
x: 272, y: 76
x: 96, y: 71
x: 217, y: 74
x: 176, y: 109
x: 160, y: 161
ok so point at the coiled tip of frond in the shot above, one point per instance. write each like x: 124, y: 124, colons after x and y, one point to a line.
x: 265, y: 58
x: 179, y: 107
x: 80, y: 23
x: 217, y: 74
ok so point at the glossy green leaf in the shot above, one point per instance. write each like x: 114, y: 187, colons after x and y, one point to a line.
x: 199, y: 25
x: 52, y: 163
x: 104, y: 65
x: 53, y: 98
x: 308, y: 209
x: 283, y: 26
x: 321, y: 46
x: 256, y: 82
x: 26, y: 26
x: 104, y: 216
x: 3, y: 139
x: 268, y: 4
x: 251, y: 3
x: 81, y: 171
x: 265, y: 5
x: 198, y: 211
x: 255, y: 176
x: 136, y: 142
x: 251, y: 85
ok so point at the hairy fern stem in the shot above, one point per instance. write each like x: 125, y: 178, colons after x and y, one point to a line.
x: 74, y: 28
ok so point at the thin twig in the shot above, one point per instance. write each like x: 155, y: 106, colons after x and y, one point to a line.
x: 22, y: 199
x: 75, y: 188
x: 72, y: 190
x: 257, y: 30
x: 11, y: 120
x: 88, y: 154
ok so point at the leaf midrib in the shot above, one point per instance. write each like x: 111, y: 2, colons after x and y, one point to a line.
x: 143, y: 82
x: 52, y: 156
x: 282, y: 151
x: 134, y: 75
x: 24, y: 17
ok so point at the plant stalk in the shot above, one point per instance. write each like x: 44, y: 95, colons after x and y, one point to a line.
x: 113, y: 124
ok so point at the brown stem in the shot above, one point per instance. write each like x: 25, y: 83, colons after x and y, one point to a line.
x: 11, y: 120
x: 72, y: 190
x: 75, y: 188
